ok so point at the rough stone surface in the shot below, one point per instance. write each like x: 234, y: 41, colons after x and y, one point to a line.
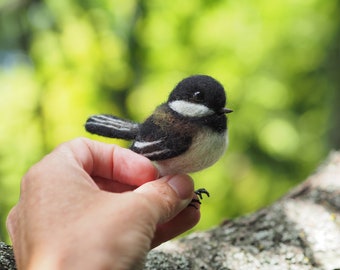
x: 300, y: 231
x: 7, y: 261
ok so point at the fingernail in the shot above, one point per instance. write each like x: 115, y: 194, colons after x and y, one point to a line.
x: 182, y: 185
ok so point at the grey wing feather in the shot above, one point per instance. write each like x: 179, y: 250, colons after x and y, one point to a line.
x: 112, y: 126
x: 157, y: 143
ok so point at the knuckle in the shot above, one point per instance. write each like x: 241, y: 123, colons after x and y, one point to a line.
x: 11, y: 216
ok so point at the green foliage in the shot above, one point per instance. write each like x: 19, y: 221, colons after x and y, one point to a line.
x: 61, y: 61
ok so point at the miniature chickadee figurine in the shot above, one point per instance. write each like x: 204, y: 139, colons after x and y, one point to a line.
x: 186, y: 134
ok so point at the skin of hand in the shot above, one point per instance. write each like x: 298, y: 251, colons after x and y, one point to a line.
x: 91, y: 205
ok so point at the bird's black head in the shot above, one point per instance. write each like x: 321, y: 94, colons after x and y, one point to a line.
x: 202, y: 90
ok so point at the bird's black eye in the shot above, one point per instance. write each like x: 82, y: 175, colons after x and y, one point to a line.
x: 198, y: 97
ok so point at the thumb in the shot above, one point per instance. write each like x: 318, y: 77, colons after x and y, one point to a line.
x: 168, y: 195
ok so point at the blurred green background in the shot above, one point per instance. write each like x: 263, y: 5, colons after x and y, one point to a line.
x: 63, y: 60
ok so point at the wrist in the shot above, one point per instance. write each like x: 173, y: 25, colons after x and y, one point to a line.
x: 43, y: 261
x: 64, y: 259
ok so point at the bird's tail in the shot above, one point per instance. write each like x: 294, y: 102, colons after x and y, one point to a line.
x: 111, y: 126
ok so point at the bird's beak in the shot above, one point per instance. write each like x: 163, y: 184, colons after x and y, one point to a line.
x: 226, y: 110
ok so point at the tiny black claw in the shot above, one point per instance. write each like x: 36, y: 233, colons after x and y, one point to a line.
x: 201, y: 191
x: 195, y: 201
x: 192, y: 203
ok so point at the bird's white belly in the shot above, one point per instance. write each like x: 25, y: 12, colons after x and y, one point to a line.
x: 204, y: 151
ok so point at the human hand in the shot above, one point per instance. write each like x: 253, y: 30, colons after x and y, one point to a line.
x: 90, y: 205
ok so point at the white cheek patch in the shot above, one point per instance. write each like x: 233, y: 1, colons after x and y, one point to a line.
x: 186, y: 108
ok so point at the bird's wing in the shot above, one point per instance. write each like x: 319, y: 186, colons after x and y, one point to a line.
x: 158, y: 143
x: 112, y: 126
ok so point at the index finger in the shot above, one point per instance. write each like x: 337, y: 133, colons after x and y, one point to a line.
x: 112, y: 162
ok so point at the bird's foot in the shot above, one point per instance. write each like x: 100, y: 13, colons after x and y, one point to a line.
x: 199, y: 192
